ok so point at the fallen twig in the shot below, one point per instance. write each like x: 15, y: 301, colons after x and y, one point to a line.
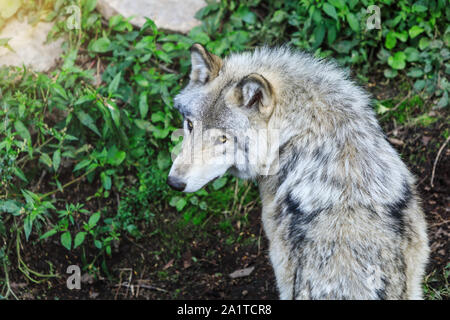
x: 67, y: 184
x: 396, y: 106
x: 145, y: 286
x: 163, y: 67
x: 436, y: 161
x: 439, y: 223
x: 7, y: 283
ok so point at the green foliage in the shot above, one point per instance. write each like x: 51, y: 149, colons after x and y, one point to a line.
x: 115, y: 133
x: 414, y: 35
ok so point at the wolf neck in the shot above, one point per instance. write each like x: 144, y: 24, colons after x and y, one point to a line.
x: 344, y: 161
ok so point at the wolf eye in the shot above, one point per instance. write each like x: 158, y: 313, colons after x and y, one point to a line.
x: 223, y: 139
x: 190, y: 125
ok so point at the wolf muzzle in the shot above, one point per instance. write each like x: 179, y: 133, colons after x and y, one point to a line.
x: 176, y: 183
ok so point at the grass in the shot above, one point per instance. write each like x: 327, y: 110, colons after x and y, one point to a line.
x: 436, y: 284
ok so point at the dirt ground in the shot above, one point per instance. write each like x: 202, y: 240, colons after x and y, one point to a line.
x: 200, y: 268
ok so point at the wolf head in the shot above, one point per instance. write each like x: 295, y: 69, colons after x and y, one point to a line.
x: 226, y: 111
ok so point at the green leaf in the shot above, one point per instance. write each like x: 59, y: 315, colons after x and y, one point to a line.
x: 331, y: 34
x: 173, y: 201
x: 98, y: 244
x: 60, y: 90
x: 45, y: 159
x: 84, y: 99
x: 419, y: 85
x: 424, y: 43
x: 89, y: 5
x: 443, y: 101
x: 158, y: 117
x: 22, y: 130
x: 197, y: 35
x: 101, y: 45
x: 144, y: 125
x: 56, y: 159
x: 4, y: 42
x: 390, y: 73
x: 178, y: 202
x: 10, y: 206
x: 340, y: 4
x: 30, y: 197
x: 279, y: 16
x: 48, y: 234
x: 391, y: 40
x: 424, y: 120
x: 353, y: 22
x: 219, y: 183
x: 27, y: 226
x: 114, y: 85
x: 415, y: 31
x: 245, y: 14
x: 330, y: 10
x: 415, y: 73
x: 203, y: 205
x: 344, y: 46
x: 381, y: 109
x: 149, y: 24
x: 82, y: 164
x: 106, y: 181
x: 115, y: 112
x: 163, y: 160
x: 143, y: 105
x: 142, y: 81
x: 160, y: 133
x: 402, y: 36
x: 18, y: 172
x: 397, y: 61
x: 94, y: 219
x: 66, y: 240
x: 194, y: 200
x: 115, y: 156
x: 447, y: 39
x: 436, y: 44
x: 86, y: 120
x: 412, y: 54
x: 319, y: 35
x: 79, y: 239
x: 316, y: 16
x: 418, y: 7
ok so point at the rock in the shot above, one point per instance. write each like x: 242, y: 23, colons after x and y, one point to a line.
x: 241, y: 273
x: 29, y: 44
x: 172, y: 15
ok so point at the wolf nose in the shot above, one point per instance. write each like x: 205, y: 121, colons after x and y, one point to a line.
x: 176, y: 183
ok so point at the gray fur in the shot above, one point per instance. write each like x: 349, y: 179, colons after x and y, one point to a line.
x: 341, y: 213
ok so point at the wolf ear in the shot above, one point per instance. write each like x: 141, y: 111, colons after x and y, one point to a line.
x: 205, y: 65
x: 255, y: 91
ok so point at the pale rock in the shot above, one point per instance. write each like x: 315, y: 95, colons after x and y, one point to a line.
x: 30, y: 47
x: 172, y: 15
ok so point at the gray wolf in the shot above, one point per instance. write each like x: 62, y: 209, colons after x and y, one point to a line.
x: 339, y: 207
